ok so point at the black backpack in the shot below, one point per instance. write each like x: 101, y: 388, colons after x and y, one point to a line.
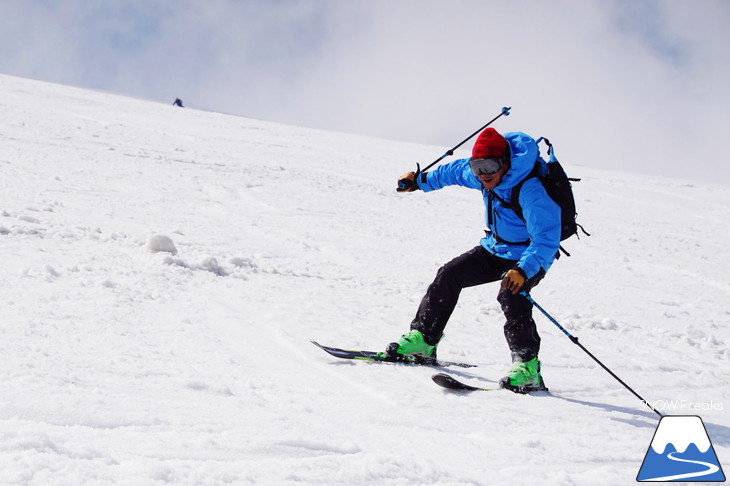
x: 558, y: 186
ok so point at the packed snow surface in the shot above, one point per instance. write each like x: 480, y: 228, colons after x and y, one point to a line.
x: 165, y: 268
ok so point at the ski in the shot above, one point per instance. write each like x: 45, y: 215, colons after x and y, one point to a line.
x: 451, y: 383
x: 374, y: 356
x: 448, y: 381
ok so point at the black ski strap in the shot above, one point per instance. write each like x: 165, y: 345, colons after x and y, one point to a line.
x: 582, y: 229
x: 499, y: 239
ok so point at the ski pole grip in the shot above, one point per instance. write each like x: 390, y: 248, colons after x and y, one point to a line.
x: 405, y: 183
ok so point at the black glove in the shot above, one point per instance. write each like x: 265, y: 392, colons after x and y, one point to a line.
x: 407, y: 183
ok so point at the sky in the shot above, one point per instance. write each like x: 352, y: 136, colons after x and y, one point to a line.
x: 628, y: 85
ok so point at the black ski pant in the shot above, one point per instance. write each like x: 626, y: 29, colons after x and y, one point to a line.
x: 476, y: 267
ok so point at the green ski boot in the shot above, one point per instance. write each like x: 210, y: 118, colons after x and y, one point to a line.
x: 411, y: 344
x: 524, y: 377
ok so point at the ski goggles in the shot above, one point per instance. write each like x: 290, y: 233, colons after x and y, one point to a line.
x: 488, y: 165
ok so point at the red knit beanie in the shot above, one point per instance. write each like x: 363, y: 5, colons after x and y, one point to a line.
x: 489, y: 144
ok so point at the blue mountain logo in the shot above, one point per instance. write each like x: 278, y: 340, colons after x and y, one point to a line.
x: 681, y: 451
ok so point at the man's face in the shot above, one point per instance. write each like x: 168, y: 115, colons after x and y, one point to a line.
x: 492, y: 181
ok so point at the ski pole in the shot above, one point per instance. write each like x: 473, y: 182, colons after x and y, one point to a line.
x: 575, y: 340
x: 402, y: 184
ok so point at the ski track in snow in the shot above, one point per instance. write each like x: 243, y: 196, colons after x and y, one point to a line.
x: 127, y: 364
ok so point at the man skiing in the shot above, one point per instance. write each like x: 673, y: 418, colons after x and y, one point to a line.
x: 516, y: 251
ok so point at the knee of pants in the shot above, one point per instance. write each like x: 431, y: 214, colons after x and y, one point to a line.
x: 447, y: 274
x: 514, y: 307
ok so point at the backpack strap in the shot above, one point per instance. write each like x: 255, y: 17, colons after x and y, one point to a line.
x: 491, y: 196
x: 514, y: 203
x: 551, y: 150
x: 552, y: 158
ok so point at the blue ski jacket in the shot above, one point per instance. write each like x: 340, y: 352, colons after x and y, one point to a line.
x: 534, y: 242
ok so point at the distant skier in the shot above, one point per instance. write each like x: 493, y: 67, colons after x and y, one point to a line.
x: 178, y: 102
x: 518, y: 252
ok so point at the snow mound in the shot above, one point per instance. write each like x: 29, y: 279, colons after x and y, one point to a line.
x: 161, y: 243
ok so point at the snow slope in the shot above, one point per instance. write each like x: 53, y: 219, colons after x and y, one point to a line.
x: 126, y: 364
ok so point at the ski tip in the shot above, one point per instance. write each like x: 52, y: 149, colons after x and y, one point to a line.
x: 444, y: 380
x: 450, y: 383
x: 320, y: 346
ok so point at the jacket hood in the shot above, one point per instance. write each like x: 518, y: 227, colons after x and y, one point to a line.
x: 524, y: 155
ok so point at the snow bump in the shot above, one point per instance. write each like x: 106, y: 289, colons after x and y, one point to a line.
x: 161, y: 243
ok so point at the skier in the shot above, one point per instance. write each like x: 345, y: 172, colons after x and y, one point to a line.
x: 516, y: 251
x: 178, y: 102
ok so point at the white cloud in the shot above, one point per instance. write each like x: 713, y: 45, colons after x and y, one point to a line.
x: 626, y: 85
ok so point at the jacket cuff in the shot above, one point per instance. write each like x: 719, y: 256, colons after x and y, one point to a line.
x: 422, y: 181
